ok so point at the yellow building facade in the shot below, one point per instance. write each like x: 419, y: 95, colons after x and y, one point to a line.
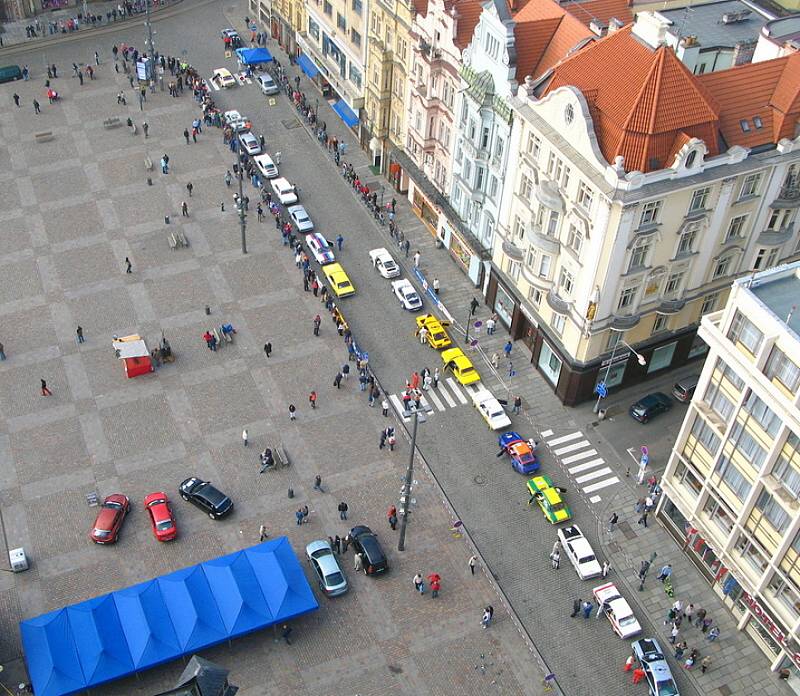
x: 732, y: 485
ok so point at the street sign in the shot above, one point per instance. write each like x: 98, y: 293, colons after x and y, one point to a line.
x: 601, y: 390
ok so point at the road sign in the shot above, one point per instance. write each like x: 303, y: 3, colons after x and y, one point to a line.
x: 645, y: 451
x: 601, y: 390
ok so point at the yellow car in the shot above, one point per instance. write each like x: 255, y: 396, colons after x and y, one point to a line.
x: 548, y: 496
x: 339, y: 282
x: 223, y: 77
x: 455, y: 360
x: 436, y: 337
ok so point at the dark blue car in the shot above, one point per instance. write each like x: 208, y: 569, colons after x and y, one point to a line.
x: 520, y: 451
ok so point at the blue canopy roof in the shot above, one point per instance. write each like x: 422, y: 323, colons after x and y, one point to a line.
x: 307, y: 65
x: 251, y: 56
x: 83, y: 645
x: 346, y: 113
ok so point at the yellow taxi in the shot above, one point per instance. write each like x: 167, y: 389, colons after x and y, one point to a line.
x: 339, y: 282
x: 548, y: 497
x: 461, y: 366
x: 436, y: 337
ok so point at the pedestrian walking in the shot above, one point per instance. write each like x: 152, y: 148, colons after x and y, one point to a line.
x: 244, y: 437
x: 312, y: 399
x: 346, y: 543
x: 436, y: 584
x: 628, y: 666
x: 490, y: 327
x: 339, y: 242
x: 688, y: 612
x: 555, y: 559
x: 473, y: 306
x: 701, y: 614
x: 186, y: 135
x: 416, y: 259
x: 436, y: 286
x: 318, y: 483
x: 707, y: 624
x: 337, y: 544
x: 267, y: 348
x: 419, y: 583
x: 643, y: 519
x: 488, y: 612
x: 190, y: 188
x: 285, y: 633
x: 606, y: 568
x: 343, y: 510
x: 586, y: 608
x: 507, y: 349
x: 145, y: 128
x: 471, y: 563
x: 79, y: 334
x: 16, y: 99
x: 304, y: 510
x: 345, y: 371
x: 713, y: 634
x: 517, y: 405
x: 385, y: 408
x: 705, y: 663
x: 576, y: 607
x: 228, y: 178
x: 691, y: 659
x: 262, y: 533
x: 337, y: 381
x: 96, y: 58
x: 2, y: 352
x: 680, y: 648
x: 612, y: 522
x: 392, y: 516
x: 664, y: 573
x: 45, y: 390
x: 299, y: 516
x: 36, y: 108
x: 382, y: 443
x: 317, y: 321
x: 673, y: 634
x: 358, y: 562
x: 184, y: 209
x: 638, y: 675
x: 292, y: 412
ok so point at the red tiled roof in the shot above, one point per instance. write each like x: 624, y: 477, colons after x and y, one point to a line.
x: 469, y: 12
x: 680, y: 140
x: 640, y: 98
x: 421, y: 6
x: 602, y: 10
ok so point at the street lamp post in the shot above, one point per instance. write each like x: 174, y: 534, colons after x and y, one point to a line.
x: 644, y: 568
x: 639, y: 357
x: 469, y: 318
x: 242, y: 222
x: 401, y: 542
x: 149, y: 30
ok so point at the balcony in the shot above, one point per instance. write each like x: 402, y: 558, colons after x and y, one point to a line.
x: 789, y: 195
x: 623, y: 322
x: 475, y: 153
x: 544, y: 242
x: 513, y: 251
x: 670, y: 306
x: 776, y: 237
x: 558, y: 303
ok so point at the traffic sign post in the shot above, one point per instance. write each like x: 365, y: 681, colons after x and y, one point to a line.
x: 601, y: 390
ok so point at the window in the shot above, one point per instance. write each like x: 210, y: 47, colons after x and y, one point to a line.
x: 747, y: 446
x: 709, y: 303
x: 566, y: 282
x: 402, y: 48
x: 690, y: 158
x: 499, y: 145
x: 544, y: 266
x: 313, y: 28
x: 780, y: 367
x: 585, y: 196
x: 525, y: 187
x: 557, y: 170
x: 534, y: 147
x: 750, y: 552
x: 718, y: 402
x: 772, y: 511
x: 535, y: 296
x: 787, y: 594
x: 719, y: 514
x: 757, y: 122
x: 743, y: 331
x: 723, y: 266
x: 750, y: 186
x: 480, y: 175
x: 341, y: 23
x: 686, y: 242
x: 650, y: 213
x: 779, y: 219
x: 688, y: 480
x: 736, y: 228
x: 729, y: 374
x: 614, y: 337
x: 745, y: 125
x: 626, y: 297
x: 738, y: 484
x: 558, y: 323
x: 485, y: 138
x: 355, y: 76
x: 673, y: 285
x: 705, y: 435
x: 513, y: 268
x: 552, y: 224
x: 327, y: 8
x: 492, y: 186
x: 660, y: 323
x: 358, y: 6
x: 518, y: 230
x: 575, y: 239
x: 762, y: 414
x: 569, y: 114
x: 787, y: 468
x: 355, y: 37
x: 699, y: 200
x: 491, y: 45
x: 639, y: 254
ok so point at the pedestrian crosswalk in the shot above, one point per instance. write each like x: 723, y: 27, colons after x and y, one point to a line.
x: 581, y: 461
x: 447, y: 394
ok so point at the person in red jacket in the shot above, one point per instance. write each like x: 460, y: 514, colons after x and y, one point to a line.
x: 435, y: 581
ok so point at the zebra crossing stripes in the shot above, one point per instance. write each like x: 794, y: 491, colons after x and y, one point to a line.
x: 456, y: 390
x: 446, y: 394
x: 580, y: 459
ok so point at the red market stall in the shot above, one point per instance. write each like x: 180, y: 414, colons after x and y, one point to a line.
x: 132, y: 350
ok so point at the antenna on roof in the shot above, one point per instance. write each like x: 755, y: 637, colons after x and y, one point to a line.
x: 687, y: 13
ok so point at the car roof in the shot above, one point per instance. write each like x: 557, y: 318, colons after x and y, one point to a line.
x: 296, y: 209
x: 381, y: 253
x: 360, y: 529
x: 606, y: 592
x: 318, y: 237
x: 247, y: 135
x: 318, y: 545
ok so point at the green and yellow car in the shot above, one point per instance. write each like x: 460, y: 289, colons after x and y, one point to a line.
x: 549, y: 499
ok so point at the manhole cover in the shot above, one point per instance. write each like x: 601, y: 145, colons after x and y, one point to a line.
x: 290, y: 124
x: 479, y: 479
x: 395, y: 670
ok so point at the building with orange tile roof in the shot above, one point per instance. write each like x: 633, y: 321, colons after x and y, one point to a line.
x: 636, y: 193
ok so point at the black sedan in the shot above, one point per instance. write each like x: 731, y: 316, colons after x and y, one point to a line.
x: 366, y: 543
x: 205, y: 496
x: 650, y: 406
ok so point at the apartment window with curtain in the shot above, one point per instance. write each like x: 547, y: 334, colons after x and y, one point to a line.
x: 787, y: 467
x: 734, y: 478
x: 747, y: 446
x: 762, y: 414
x: 640, y: 254
x: 736, y: 228
x: 585, y: 197
x: 686, y: 242
x: 743, y: 331
x: 705, y: 435
x: 650, y: 213
x: 558, y: 323
x: 750, y: 185
x: 525, y: 187
x: 699, y: 199
x: 773, y: 512
x: 780, y: 367
x: 534, y: 147
x: 719, y: 515
x: 750, y: 551
x: 627, y: 297
x: 575, y: 239
x: 566, y: 282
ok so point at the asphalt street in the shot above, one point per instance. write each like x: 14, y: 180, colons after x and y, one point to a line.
x: 488, y: 495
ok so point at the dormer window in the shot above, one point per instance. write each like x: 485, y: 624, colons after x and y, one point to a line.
x: 757, y: 122
x: 745, y: 125
x: 569, y: 114
x: 691, y: 158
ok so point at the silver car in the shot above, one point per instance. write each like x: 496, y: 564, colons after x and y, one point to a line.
x: 251, y: 144
x: 330, y: 576
x: 300, y: 218
x: 267, y: 84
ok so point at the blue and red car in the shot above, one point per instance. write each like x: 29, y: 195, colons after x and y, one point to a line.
x: 520, y: 452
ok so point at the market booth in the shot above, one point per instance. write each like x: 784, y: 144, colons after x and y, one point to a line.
x: 132, y: 350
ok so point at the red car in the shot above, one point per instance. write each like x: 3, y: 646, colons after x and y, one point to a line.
x: 109, y: 519
x: 161, y: 517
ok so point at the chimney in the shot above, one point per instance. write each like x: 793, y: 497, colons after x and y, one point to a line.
x: 651, y: 27
x: 598, y: 27
x: 614, y: 24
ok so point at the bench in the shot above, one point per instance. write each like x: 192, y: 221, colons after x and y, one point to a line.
x: 280, y: 455
x: 44, y: 137
x: 182, y: 240
x: 112, y: 123
x: 177, y: 239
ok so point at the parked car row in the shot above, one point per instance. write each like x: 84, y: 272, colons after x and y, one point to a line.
x: 115, y: 507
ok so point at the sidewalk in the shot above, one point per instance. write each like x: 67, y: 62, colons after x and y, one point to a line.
x: 738, y: 667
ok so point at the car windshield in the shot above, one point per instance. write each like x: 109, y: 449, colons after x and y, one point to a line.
x: 586, y: 559
x: 557, y: 507
x: 113, y: 505
x: 627, y: 621
x: 102, y: 533
x: 164, y: 525
x: 334, y: 579
x: 667, y: 688
x: 439, y: 336
x: 343, y: 284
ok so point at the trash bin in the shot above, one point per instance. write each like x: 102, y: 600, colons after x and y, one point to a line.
x: 18, y: 560
x: 601, y: 414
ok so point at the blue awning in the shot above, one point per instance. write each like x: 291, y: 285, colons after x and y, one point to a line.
x: 251, y: 56
x: 346, y: 113
x: 307, y: 66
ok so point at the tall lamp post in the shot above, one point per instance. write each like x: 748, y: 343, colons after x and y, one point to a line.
x: 242, y: 222
x: 149, y: 31
x: 401, y: 542
x: 639, y: 357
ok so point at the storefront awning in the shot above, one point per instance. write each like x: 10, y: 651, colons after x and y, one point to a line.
x: 346, y: 113
x: 307, y: 66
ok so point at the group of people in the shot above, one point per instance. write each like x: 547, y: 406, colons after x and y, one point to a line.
x: 679, y: 617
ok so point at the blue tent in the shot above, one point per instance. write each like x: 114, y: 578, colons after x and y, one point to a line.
x: 251, y: 56
x: 87, y: 644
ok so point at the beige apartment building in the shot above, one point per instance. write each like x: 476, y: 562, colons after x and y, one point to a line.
x: 732, y: 485
x: 636, y: 193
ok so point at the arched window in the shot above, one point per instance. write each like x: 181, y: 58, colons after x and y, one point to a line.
x: 691, y: 158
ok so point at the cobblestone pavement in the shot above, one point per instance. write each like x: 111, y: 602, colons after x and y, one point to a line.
x: 73, y: 208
